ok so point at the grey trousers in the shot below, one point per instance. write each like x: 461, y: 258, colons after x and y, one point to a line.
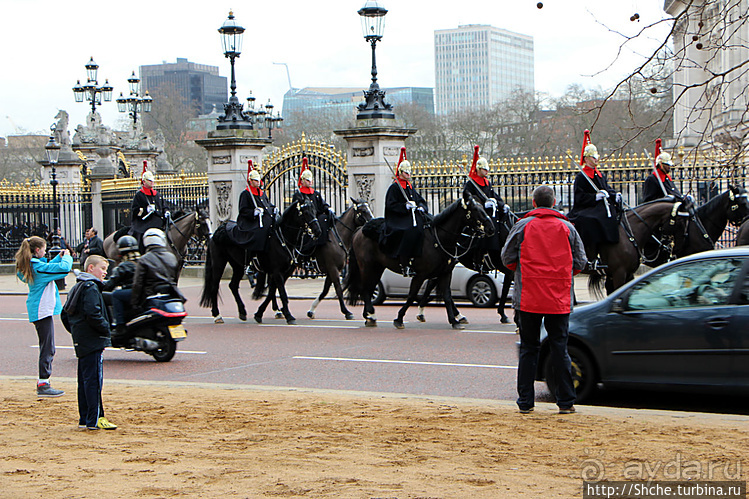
x: 45, y: 330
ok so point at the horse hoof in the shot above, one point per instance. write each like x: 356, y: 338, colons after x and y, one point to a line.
x: 242, y: 317
x: 463, y: 320
x: 279, y: 315
x: 458, y: 326
x: 505, y: 320
x: 421, y: 318
x: 291, y: 321
x: 398, y: 324
x: 311, y: 315
x: 349, y: 317
x: 218, y: 320
x: 258, y: 318
x: 370, y: 322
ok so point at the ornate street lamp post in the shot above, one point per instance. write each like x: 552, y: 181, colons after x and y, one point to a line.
x: 373, y: 25
x: 52, y: 149
x: 91, y: 91
x: 134, y: 103
x: 231, y: 39
x: 271, y: 121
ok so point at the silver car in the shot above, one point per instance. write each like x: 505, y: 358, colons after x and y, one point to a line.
x: 482, y: 290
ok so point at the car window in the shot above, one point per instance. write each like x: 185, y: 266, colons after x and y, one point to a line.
x: 694, y: 284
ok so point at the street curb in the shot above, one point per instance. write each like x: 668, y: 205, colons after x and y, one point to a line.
x: 544, y: 409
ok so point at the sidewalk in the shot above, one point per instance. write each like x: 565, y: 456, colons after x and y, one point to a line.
x: 298, y: 289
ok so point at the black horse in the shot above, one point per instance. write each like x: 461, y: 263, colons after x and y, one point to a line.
x: 742, y: 236
x: 480, y: 260
x: 638, y: 226
x: 331, y: 257
x: 709, y: 221
x: 276, y: 260
x: 438, y: 257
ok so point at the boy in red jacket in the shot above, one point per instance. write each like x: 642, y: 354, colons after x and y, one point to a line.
x: 545, y: 251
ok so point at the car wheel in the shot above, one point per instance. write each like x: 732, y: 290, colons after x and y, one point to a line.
x: 583, y: 374
x: 481, y: 292
x: 378, y: 297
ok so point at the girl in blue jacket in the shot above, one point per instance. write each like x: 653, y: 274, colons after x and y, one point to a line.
x: 43, y: 301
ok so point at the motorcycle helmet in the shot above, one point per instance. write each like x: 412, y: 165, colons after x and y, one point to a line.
x: 127, y: 244
x: 154, y: 237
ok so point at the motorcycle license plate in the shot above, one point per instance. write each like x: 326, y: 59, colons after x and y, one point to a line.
x: 177, y: 332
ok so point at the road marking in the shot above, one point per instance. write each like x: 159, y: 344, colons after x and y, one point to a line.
x: 11, y: 319
x: 388, y: 361
x: 113, y: 349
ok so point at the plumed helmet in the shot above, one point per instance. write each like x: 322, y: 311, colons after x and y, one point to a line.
x: 148, y: 176
x: 127, y: 244
x: 664, y: 158
x: 254, y: 175
x: 307, y: 175
x: 482, y: 164
x: 154, y: 237
x: 405, y: 166
x: 590, y: 150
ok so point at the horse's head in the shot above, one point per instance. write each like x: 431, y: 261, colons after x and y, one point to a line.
x: 477, y: 220
x: 738, y: 207
x: 678, y: 217
x: 362, y: 213
x: 203, y: 220
x: 307, y: 218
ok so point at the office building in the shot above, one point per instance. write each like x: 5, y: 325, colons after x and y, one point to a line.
x: 198, y: 85
x: 339, y: 104
x: 477, y: 66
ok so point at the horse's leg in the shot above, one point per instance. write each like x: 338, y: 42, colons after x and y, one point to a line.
x: 413, y: 293
x: 268, y: 298
x: 274, y: 306
x: 236, y: 277
x: 506, y: 285
x: 450, y: 308
x: 425, y: 298
x: 280, y: 279
x: 323, y: 293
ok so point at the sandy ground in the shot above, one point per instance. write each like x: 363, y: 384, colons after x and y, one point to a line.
x: 221, y: 441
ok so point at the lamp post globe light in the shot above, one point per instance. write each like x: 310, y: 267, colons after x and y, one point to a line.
x: 271, y: 121
x: 134, y: 103
x: 52, y: 150
x: 373, y: 26
x: 231, y: 40
x: 91, y: 91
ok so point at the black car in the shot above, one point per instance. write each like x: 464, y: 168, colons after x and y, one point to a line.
x: 681, y: 326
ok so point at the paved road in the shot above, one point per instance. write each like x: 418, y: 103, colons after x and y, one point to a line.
x: 327, y: 352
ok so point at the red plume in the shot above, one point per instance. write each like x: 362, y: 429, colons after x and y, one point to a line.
x: 305, y: 166
x: 657, y: 152
x: 400, y: 160
x: 145, y: 167
x: 586, y: 141
x: 472, y: 172
x: 249, y: 169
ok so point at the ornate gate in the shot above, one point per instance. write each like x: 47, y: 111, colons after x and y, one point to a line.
x: 281, y: 173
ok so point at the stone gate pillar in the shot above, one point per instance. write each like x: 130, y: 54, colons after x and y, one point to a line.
x: 228, y: 153
x: 372, y: 145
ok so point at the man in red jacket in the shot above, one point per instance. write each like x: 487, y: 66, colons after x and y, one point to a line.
x: 545, y: 251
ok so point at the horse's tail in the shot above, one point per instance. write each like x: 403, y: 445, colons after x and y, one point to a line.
x: 352, y: 281
x: 209, y: 297
x: 260, y: 285
x: 596, y: 283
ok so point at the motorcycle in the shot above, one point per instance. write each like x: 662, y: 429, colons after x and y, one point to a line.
x: 156, y: 330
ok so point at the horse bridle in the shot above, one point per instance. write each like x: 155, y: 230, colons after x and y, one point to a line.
x: 476, y: 231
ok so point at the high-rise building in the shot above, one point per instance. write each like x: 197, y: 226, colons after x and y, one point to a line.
x: 478, y: 65
x: 198, y: 85
x: 339, y: 104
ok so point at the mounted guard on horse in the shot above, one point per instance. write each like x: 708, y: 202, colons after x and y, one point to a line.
x: 147, y: 210
x: 256, y: 216
x: 325, y: 217
x: 597, y: 208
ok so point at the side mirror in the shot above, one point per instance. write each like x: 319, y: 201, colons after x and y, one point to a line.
x: 618, y: 306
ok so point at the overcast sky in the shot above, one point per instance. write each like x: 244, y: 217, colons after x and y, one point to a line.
x: 46, y: 43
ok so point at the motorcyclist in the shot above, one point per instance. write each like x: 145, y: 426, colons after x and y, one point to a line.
x: 120, y: 282
x: 156, y: 271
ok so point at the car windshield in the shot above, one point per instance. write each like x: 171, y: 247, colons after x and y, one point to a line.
x: 693, y: 284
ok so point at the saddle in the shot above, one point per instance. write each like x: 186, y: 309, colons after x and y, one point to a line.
x: 374, y: 228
